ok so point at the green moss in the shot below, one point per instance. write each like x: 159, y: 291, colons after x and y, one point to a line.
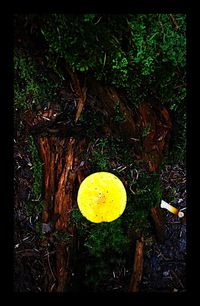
x: 100, y: 155
x: 36, y: 168
x: 34, y: 207
x: 25, y: 88
x: 142, y: 54
x: 118, y: 115
x: 32, y: 82
x: 107, y: 245
x: 61, y: 235
x: 38, y: 229
x: 146, y: 131
x: 144, y: 193
x: 107, y: 238
x: 109, y: 152
x: 82, y: 224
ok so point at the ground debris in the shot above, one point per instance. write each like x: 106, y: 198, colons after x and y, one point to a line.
x: 165, y: 263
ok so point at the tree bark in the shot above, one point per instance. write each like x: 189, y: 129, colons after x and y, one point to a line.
x: 60, y: 159
x: 60, y: 143
x: 137, y: 266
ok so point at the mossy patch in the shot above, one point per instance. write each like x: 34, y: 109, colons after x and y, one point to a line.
x: 108, y: 245
x: 36, y: 168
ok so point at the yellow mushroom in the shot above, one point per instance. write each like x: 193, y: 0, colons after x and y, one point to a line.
x: 101, y: 197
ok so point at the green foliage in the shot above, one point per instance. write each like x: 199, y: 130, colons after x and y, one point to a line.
x: 61, y: 235
x: 34, y: 207
x: 89, y: 17
x: 178, y: 141
x: 108, y: 151
x: 81, y: 222
x: 146, y: 131
x: 100, y: 161
x: 107, y: 245
x: 155, y: 40
x: 34, y: 210
x: 174, y: 41
x: 148, y: 189
x: 100, y: 155
x: 24, y: 84
x: 37, y: 168
x: 71, y: 32
x: 142, y: 54
x: 107, y: 238
x: 145, y: 193
x: 118, y: 115
x: 32, y: 85
x: 38, y: 229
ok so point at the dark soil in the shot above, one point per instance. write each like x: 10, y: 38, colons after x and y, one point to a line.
x: 165, y: 263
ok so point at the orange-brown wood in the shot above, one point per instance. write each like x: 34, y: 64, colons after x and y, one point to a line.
x: 62, y: 164
x: 60, y: 158
x: 137, y: 266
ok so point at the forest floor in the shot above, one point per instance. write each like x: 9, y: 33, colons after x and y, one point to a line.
x: 164, y: 267
x: 165, y: 263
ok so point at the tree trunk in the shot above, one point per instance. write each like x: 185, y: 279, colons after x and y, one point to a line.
x: 60, y: 143
x: 60, y: 170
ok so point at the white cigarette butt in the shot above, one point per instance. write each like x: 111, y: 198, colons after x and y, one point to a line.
x: 169, y: 207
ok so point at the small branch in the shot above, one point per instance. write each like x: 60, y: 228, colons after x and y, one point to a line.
x: 82, y: 99
x: 138, y: 266
x: 174, y: 21
x: 54, y: 278
x: 81, y: 93
x: 98, y: 20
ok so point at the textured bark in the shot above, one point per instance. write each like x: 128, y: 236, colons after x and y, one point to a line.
x: 106, y: 100
x: 155, y: 119
x: 63, y: 193
x: 137, y: 266
x: 148, y: 129
x: 61, y: 164
x: 62, y: 266
x: 61, y: 138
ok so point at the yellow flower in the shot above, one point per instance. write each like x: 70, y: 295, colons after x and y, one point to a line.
x: 102, y: 197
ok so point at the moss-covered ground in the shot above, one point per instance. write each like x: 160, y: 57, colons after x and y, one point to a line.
x: 142, y: 55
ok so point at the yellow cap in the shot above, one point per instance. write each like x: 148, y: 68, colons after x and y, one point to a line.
x: 102, y: 197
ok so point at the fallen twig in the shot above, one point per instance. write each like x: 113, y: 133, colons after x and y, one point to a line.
x: 137, y: 267
x: 54, y: 278
x: 174, y: 21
